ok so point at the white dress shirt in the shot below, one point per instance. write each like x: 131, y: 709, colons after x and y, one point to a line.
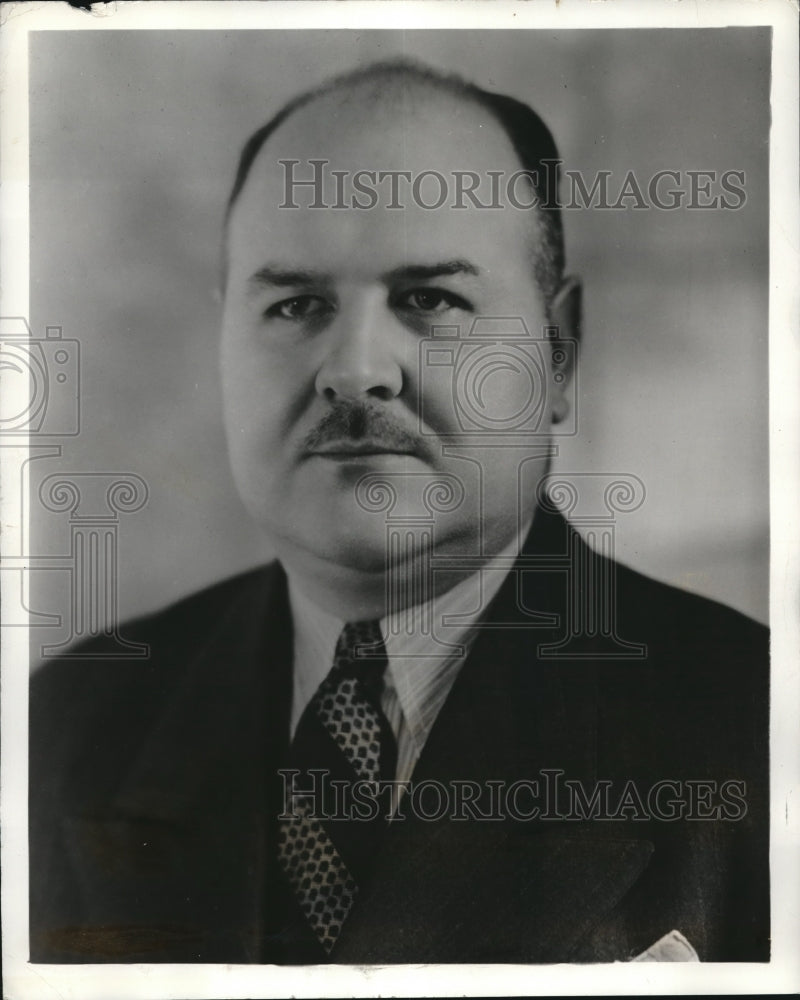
x: 420, y: 672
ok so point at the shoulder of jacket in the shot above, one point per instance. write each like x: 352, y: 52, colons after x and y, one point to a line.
x: 170, y: 633
x: 683, y: 612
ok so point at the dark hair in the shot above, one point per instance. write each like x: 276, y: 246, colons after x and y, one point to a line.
x: 530, y: 137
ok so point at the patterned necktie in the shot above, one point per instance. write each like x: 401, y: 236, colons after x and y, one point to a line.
x: 344, y: 733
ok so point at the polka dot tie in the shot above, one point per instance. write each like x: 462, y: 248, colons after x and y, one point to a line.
x: 342, y: 732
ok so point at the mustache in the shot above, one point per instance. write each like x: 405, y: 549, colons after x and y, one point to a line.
x: 352, y: 421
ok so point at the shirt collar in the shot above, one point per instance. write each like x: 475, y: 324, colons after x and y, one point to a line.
x: 426, y: 645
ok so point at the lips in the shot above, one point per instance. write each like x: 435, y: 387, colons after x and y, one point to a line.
x: 355, y: 449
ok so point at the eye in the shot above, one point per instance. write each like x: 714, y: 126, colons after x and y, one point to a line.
x: 299, y: 307
x: 432, y: 300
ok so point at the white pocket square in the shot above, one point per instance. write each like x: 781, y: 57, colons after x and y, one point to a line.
x: 673, y: 947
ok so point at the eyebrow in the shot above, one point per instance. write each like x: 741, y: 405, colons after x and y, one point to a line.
x: 423, y: 272
x: 277, y: 277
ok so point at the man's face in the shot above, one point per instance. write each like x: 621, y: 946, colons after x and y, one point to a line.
x: 325, y: 313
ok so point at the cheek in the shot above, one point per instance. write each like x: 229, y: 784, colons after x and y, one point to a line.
x: 242, y: 381
x: 489, y: 388
x: 260, y: 385
x: 506, y: 387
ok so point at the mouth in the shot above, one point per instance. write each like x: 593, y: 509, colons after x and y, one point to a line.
x: 344, y: 450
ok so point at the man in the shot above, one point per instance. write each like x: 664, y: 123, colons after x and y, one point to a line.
x: 439, y: 728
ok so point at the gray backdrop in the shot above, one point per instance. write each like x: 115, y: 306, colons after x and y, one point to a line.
x: 134, y: 141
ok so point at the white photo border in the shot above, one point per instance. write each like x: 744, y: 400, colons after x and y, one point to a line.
x: 23, y: 980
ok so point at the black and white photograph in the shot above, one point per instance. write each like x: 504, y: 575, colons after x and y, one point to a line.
x: 399, y: 558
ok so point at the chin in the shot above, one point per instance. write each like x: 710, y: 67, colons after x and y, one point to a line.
x: 332, y: 539
x: 361, y: 556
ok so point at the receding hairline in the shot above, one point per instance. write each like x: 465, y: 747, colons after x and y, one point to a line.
x: 398, y: 71
x: 527, y: 133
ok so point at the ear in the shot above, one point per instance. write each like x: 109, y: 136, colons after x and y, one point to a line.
x: 565, y: 315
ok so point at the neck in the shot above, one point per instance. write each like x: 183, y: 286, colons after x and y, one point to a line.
x: 355, y: 594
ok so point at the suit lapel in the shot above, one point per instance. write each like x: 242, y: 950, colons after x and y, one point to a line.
x: 185, y: 840
x: 502, y: 891
x: 229, y: 709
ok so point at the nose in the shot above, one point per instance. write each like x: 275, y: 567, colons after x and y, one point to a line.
x: 362, y: 358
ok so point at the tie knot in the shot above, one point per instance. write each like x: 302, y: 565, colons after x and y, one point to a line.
x: 360, y: 651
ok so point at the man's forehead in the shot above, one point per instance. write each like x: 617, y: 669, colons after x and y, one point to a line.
x: 377, y: 244
x: 415, y: 127
x: 421, y: 139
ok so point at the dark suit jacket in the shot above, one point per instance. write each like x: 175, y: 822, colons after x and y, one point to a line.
x: 153, y: 789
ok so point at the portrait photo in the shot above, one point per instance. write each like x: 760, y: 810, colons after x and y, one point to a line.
x: 390, y: 419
